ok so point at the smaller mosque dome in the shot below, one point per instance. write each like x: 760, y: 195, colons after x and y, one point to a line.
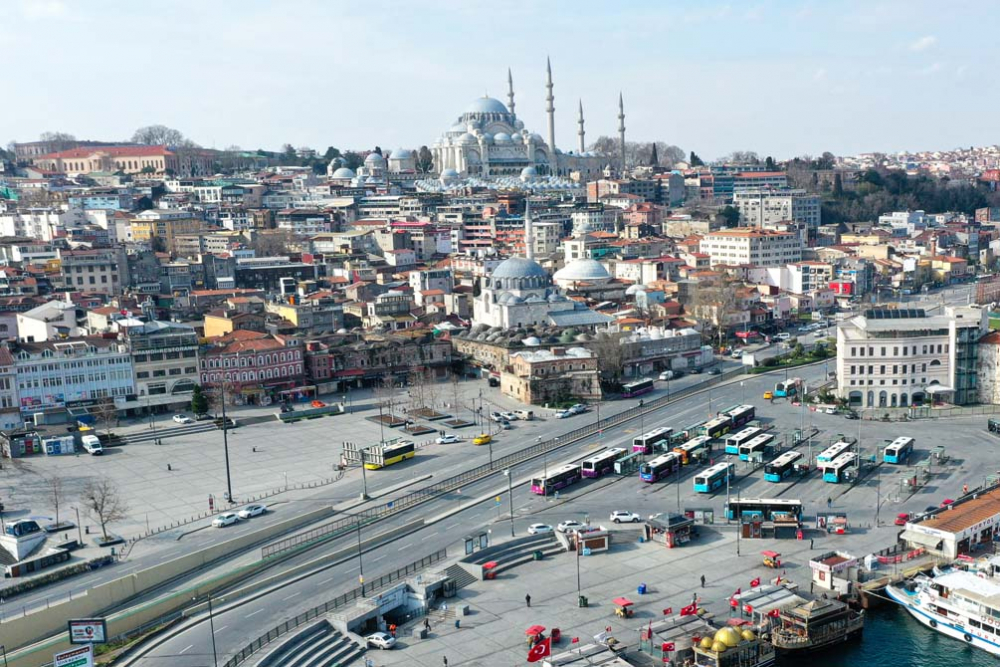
x: 706, y: 643
x: 529, y: 174
x: 583, y: 270
x: 401, y: 154
x: 501, y: 138
x: 343, y: 172
x: 537, y: 138
x: 532, y: 341
x: 467, y: 138
x: 728, y: 636
x: 449, y: 176
x: 635, y: 289
x: 517, y: 138
x: 718, y: 647
x: 374, y: 159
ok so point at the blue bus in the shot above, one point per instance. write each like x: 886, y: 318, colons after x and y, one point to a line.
x: 833, y: 451
x: 758, y: 448
x: 660, y: 467
x: 835, y: 471
x: 712, y: 478
x: 741, y: 415
x: 787, y: 388
x: 638, y: 388
x: 898, y: 450
x: 781, y: 467
x: 765, y: 508
x: 743, y: 436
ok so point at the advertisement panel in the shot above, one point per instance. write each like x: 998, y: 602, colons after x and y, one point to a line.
x: 88, y: 631
x: 77, y: 657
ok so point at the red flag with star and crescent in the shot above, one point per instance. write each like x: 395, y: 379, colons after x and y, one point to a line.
x: 540, y: 650
x: 755, y: 583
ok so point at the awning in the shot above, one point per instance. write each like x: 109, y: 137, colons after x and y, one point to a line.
x: 923, y: 539
x: 938, y: 389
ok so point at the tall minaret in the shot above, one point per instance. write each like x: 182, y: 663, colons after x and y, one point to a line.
x: 583, y: 143
x: 621, y: 129
x: 529, y: 240
x: 510, y: 91
x: 551, y: 109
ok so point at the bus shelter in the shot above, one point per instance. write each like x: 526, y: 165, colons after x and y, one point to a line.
x: 628, y: 464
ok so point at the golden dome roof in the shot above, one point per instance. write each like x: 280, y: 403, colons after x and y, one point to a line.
x: 728, y: 636
x: 748, y: 635
x: 706, y: 643
x: 719, y: 647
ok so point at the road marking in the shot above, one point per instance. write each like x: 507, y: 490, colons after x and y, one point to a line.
x: 451, y: 525
x: 375, y: 560
x: 292, y: 595
x: 182, y: 652
x: 253, y: 613
x: 221, y: 629
x: 326, y: 580
x: 405, y: 546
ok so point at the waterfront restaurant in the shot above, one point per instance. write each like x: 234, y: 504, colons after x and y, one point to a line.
x: 961, y: 528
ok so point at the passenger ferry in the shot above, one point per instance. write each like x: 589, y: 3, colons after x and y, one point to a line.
x: 959, y: 604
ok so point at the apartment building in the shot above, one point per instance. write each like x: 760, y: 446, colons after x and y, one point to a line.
x: 754, y: 247
x: 759, y: 207
x: 164, y: 225
x: 101, y: 270
x: 165, y: 361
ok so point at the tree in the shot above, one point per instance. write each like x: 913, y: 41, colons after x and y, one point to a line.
x: 103, y: 501
x: 161, y: 135
x: 769, y: 163
x: 654, y: 160
x: 425, y: 160
x: 716, y: 303
x: 838, y: 186
x: 56, y: 136
x: 199, y: 402
x: 106, y: 412
x: 55, y: 490
x: 273, y: 243
x: 607, y: 346
x: 331, y: 153
x: 730, y: 215
x: 354, y: 159
x: 695, y: 161
x: 798, y: 350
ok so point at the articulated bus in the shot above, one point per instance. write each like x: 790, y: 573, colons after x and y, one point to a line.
x: 381, y: 456
x: 734, y: 441
x: 647, y: 443
x: 764, y: 508
x: 757, y: 449
x: 833, y: 471
x: 712, y: 478
x: 660, y: 467
x: 603, y: 463
x: 833, y: 451
x: 741, y: 415
x: 716, y: 427
x: 637, y: 388
x: 898, y: 450
x: 694, y: 448
x: 555, y: 480
x: 781, y: 467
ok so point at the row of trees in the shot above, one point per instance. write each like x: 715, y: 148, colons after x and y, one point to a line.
x: 650, y: 153
x: 100, y: 498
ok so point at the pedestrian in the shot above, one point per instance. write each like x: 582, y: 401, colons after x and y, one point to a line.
x: 392, y: 629
x: 702, y: 581
x: 829, y: 502
x: 427, y: 624
x: 810, y: 543
x: 527, y: 599
x: 444, y: 659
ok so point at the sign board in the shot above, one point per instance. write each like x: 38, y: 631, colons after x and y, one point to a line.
x: 88, y: 631
x: 77, y: 657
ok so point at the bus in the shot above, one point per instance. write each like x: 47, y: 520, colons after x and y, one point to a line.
x: 716, y: 427
x: 381, y: 456
x: 781, y: 467
x: 741, y: 415
x: 691, y: 431
x: 764, y: 508
x: 660, y: 467
x: 637, y: 388
x: 787, y: 388
x: 898, y: 450
x: 833, y: 451
x: 647, y: 443
x: 758, y: 448
x: 734, y: 441
x: 694, y: 448
x: 555, y: 480
x: 603, y: 463
x: 834, y: 471
x: 712, y: 478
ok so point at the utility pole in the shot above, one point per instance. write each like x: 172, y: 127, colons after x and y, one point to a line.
x: 361, y: 561
x: 211, y: 626
x: 508, y: 473
x: 225, y: 444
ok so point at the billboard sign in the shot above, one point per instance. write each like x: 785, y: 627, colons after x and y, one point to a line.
x: 77, y: 657
x: 88, y: 631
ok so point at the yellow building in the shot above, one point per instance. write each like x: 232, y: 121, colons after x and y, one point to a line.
x: 164, y: 225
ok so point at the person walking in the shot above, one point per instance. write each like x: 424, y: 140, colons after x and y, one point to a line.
x: 427, y: 624
x: 810, y: 543
x: 527, y: 599
x: 702, y: 581
x: 829, y: 502
x: 444, y: 660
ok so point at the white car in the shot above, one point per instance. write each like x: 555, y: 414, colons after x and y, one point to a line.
x: 509, y: 416
x: 563, y: 414
x: 570, y: 526
x: 578, y: 409
x: 539, y: 529
x: 253, y: 510
x: 446, y: 439
x: 225, y: 519
x: 381, y: 640
x: 782, y: 336
x: 831, y: 411
x: 620, y: 516
x: 183, y: 419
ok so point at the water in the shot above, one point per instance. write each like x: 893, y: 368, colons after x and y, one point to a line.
x: 893, y: 639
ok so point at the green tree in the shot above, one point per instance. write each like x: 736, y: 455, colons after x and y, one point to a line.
x: 730, y: 216
x: 695, y: 161
x: 797, y: 350
x: 838, y: 186
x: 331, y: 153
x: 199, y: 402
x: 769, y: 163
x: 425, y: 160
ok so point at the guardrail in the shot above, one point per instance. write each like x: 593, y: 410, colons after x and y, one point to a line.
x: 450, y: 484
x: 244, y: 653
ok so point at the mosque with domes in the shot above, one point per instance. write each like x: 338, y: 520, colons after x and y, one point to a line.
x: 488, y: 140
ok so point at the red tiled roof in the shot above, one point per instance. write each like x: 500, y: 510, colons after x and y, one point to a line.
x: 114, y: 151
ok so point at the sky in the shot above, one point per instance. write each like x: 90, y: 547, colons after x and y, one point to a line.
x: 778, y: 78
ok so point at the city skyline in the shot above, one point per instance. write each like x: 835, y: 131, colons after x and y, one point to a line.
x: 851, y: 77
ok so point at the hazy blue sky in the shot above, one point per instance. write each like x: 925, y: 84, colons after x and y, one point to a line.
x: 780, y: 78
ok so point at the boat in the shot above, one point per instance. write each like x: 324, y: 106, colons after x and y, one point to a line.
x: 816, y: 625
x: 959, y: 604
x: 733, y: 647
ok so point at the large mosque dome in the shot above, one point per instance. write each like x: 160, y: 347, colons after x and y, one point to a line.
x: 343, y: 172
x: 519, y: 267
x: 486, y: 104
x: 583, y: 270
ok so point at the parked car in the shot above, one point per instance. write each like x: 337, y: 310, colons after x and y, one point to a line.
x: 570, y: 526
x: 256, y: 509
x: 578, y: 409
x: 902, y: 518
x: 225, y: 519
x: 92, y: 445
x: 482, y: 439
x: 183, y: 419
x: 782, y: 336
x: 446, y: 439
x: 621, y: 516
x: 695, y: 371
x: 496, y: 416
x: 509, y: 416
x: 539, y: 529
x: 525, y: 415
x: 736, y: 354
x: 494, y: 382
x: 563, y: 414
x: 830, y: 411
x: 380, y: 640
x: 715, y: 371
x: 318, y: 404
x: 851, y: 415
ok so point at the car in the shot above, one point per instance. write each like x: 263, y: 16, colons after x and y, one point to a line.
x: 505, y: 425
x: 578, y: 409
x: 285, y: 407
x: 621, y: 516
x: 509, y: 416
x: 569, y: 526
x: 92, y: 445
x: 446, y: 439
x: 768, y: 394
x: 715, y: 371
x: 831, y: 411
x: 539, y: 529
x: 803, y: 329
x: 318, y: 404
x: 563, y: 414
x: 225, y: 519
x: 494, y: 382
x: 256, y: 509
x: 183, y: 419
x: 380, y: 640
x: 782, y: 336
x: 946, y: 502
x: 736, y: 354
x: 695, y: 371
x: 496, y: 416
x: 667, y: 375
x: 482, y: 439
x: 678, y: 375
x: 929, y: 509
x: 851, y: 415
x: 902, y: 518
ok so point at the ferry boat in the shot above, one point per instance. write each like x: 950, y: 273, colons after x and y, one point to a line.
x: 816, y: 625
x: 733, y: 647
x: 959, y: 604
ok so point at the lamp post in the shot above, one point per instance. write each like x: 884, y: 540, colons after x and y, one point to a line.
x: 211, y: 627
x: 743, y: 393
x: 225, y: 444
x: 361, y: 561
x: 510, y: 497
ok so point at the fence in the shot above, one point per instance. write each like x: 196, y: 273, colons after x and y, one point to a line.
x: 927, y: 412
x: 450, y: 484
x: 339, y: 601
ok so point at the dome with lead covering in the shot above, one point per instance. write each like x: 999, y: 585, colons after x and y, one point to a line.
x: 518, y: 267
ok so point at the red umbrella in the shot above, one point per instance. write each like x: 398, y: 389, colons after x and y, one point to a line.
x: 623, y: 602
x: 535, y: 630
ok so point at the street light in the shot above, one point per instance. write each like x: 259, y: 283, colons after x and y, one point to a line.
x: 510, y: 498
x: 211, y: 627
x: 743, y: 393
x: 361, y: 561
x: 225, y: 444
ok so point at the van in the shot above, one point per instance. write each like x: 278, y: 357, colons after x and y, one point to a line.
x: 525, y: 415
x: 667, y: 375
x: 92, y: 445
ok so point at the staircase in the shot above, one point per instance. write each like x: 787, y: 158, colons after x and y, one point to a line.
x: 461, y: 577
x: 319, y: 645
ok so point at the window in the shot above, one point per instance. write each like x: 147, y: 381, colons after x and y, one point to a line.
x: 159, y: 373
x: 175, y: 371
x: 142, y: 375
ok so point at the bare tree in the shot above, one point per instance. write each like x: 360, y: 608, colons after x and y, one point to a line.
x: 715, y: 303
x: 272, y: 243
x: 430, y: 388
x: 56, y: 136
x: 157, y: 135
x: 418, y: 389
x: 607, y: 346
x: 103, y: 501
x: 56, y: 492
x: 106, y: 412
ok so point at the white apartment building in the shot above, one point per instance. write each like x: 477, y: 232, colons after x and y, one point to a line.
x: 52, y: 320
x: 754, y: 247
x: 36, y: 223
x: 900, y: 358
x: 762, y: 206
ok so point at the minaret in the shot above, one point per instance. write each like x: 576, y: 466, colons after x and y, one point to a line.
x: 551, y: 110
x: 621, y: 129
x: 529, y: 241
x: 583, y: 143
x: 510, y: 91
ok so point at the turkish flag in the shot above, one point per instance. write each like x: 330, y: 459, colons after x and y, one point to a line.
x: 668, y: 646
x: 576, y: 640
x: 755, y: 582
x: 738, y: 591
x: 689, y: 610
x: 540, y: 650
x: 668, y: 611
x: 733, y: 602
x: 748, y: 609
x: 774, y: 613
